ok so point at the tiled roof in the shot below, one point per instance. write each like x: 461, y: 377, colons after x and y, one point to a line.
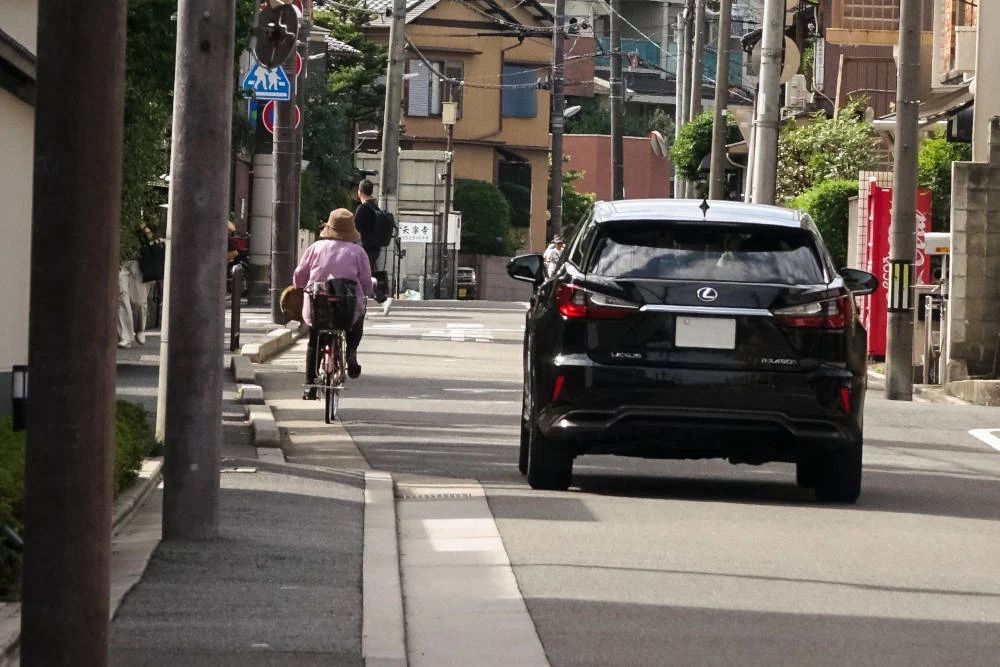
x: 334, y: 45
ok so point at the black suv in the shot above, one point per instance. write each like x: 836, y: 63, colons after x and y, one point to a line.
x: 687, y: 329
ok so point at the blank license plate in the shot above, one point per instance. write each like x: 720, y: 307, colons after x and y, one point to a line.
x: 713, y: 333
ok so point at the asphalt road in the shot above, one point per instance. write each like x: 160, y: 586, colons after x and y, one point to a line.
x: 695, y: 563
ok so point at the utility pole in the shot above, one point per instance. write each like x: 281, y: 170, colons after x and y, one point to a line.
x: 697, y: 61
x: 70, y: 450
x: 720, y: 123
x: 200, y: 164
x: 449, y: 116
x: 557, y: 117
x: 681, y: 86
x: 617, y: 104
x: 284, y: 234
x: 389, y: 167
x: 902, y: 233
x: 765, y: 166
x: 302, y: 48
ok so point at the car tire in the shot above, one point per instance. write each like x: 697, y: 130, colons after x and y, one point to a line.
x: 550, y: 464
x: 806, y: 472
x: 838, y: 478
x: 522, y: 454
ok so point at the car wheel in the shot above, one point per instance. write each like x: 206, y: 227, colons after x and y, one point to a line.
x: 806, y: 472
x: 838, y: 478
x: 522, y: 454
x: 550, y: 464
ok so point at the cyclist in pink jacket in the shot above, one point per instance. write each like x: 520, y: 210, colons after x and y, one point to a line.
x: 337, y: 254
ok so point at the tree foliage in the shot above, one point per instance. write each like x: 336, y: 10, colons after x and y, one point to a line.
x: 359, y: 84
x: 934, y: 172
x: 595, y: 119
x: 151, y: 42
x: 823, y: 149
x: 575, y: 203
x: 694, y: 142
x: 486, y: 228
x: 829, y: 205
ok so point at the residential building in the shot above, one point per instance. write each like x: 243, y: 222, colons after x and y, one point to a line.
x: 18, y: 30
x: 502, y: 132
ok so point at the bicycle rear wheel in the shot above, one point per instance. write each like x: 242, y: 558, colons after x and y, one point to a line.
x: 332, y: 401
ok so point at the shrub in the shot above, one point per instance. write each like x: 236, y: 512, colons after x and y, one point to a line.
x: 486, y: 228
x: 694, y: 142
x: 934, y: 172
x: 829, y: 205
x: 133, y: 441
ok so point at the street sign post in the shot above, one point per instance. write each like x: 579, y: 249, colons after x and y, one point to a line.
x: 267, y: 84
x: 267, y: 116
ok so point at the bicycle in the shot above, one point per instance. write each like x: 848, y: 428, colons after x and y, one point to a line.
x: 332, y: 310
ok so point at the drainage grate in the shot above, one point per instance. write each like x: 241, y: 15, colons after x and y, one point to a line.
x: 401, y: 496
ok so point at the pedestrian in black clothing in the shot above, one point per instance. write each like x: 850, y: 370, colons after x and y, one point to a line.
x: 364, y: 220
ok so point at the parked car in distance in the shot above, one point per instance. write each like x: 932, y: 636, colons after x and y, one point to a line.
x: 672, y: 329
x: 465, y: 283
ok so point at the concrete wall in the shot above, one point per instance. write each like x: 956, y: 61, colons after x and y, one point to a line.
x: 493, y: 282
x: 646, y: 175
x: 974, y: 303
x: 17, y: 139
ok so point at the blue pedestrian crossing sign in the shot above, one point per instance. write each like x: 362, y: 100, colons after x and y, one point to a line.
x: 267, y: 84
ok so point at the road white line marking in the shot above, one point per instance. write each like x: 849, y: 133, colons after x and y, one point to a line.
x: 389, y: 326
x: 987, y: 436
x: 464, y: 326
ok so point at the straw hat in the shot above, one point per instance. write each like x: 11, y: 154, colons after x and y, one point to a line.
x: 340, y: 226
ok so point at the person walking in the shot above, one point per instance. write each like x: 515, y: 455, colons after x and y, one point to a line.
x: 365, y: 216
x: 336, y: 254
x: 552, y: 254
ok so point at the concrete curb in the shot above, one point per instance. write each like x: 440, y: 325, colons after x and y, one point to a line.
x: 242, y: 368
x: 383, y: 628
x: 921, y: 392
x: 125, y: 507
x: 265, y: 428
x: 275, y: 343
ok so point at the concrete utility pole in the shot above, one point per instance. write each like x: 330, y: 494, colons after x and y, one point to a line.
x: 286, y: 151
x: 720, y: 123
x: 697, y: 60
x: 765, y: 167
x: 681, y: 86
x: 389, y: 167
x: 557, y: 117
x: 902, y: 233
x: 70, y: 439
x: 987, y: 82
x: 200, y: 165
x: 448, y: 117
x: 302, y: 48
x: 617, y: 104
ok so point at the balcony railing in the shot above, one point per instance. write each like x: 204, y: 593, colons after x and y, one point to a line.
x: 649, y: 53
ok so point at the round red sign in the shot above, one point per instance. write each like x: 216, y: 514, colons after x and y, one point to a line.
x: 267, y: 116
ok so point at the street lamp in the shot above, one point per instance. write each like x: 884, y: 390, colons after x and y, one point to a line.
x: 572, y: 111
x: 19, y: 396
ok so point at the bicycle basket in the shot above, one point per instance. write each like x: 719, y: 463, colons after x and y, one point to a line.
x: 335, y: 309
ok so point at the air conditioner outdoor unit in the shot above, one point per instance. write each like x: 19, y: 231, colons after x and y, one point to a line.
x: 796, y: 92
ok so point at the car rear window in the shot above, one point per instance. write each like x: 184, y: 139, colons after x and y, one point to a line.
x: 710, y: 252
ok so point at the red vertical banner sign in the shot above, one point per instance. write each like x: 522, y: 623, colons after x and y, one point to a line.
x: 874, y: 307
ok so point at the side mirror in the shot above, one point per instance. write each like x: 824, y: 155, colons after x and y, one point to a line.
x: 859, y: 282
x: 527, y: 268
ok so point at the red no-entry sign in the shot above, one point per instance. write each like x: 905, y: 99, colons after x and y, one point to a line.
x: 268, y: 116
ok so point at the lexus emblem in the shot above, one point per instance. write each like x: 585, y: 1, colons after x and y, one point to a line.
x: 708, y: 294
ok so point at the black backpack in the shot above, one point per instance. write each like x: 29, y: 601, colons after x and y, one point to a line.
x: 382, y: 230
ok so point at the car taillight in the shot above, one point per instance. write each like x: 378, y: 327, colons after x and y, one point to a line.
x: 576, y: 303
x: 830, y: 314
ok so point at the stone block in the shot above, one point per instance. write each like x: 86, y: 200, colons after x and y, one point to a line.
x: 980, y: 392
x: 959, y: 241
x: 979, y: 176
x: 250, y: 394
x: 265, y: 429
x: 252, y: 352
x: 959, y: 265
x: 975, y: 221
x: 242, y: 368
x: 957, y: 333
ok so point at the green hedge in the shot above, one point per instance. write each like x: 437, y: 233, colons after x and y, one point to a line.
x: 133, y: 441
x: 486, y: 228
x: 829, y: 205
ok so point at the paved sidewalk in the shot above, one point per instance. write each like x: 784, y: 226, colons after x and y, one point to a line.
x: 281, y: 584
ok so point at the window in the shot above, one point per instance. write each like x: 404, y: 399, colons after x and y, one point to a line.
x: 426, y: 91
x: 520, y: 102
x: 757, y: 254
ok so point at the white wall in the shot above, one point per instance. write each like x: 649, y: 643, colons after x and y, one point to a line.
x: 16, y: 164
x: 19, y: 19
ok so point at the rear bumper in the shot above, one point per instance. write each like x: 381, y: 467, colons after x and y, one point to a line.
x: 691, y: 413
